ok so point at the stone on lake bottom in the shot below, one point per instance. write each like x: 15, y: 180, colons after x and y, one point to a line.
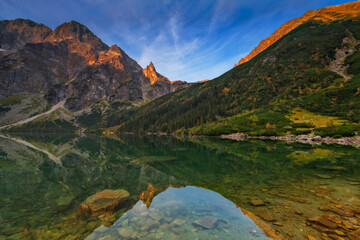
x: 323, y: 176
x: 267, y: 215
x: 340, y: 233
x: 349, y: 225
x: 257, y: 202
x: 149, y: 224
x: 333, y: 219
x: 177, y: 231
x: 155, y: 216
x: 178, y: 222
x: 278, y: 224
x: 104, y: 201
x: 125, y: 232
x: 207, y: 222
x: 355, y: 235
x: 322, y: 222
x: 335, y: 237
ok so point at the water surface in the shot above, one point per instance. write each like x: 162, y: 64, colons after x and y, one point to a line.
x: 237, y: 190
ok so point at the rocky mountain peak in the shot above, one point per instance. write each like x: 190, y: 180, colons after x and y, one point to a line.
x: 151, y: 73
x: 325, y: 15
x: 18, y: 32
x: 116, y: 49
x: 151, y: 66
x: 76, y: 32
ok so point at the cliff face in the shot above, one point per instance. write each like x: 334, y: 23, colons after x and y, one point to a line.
x: 325, y: 15
x: 70, y: 63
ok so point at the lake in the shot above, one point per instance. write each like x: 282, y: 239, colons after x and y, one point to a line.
x: 165, y: 187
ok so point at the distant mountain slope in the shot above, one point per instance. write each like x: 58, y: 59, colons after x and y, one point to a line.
x: 326, y: 15
x: 71, y: 63
x: 297, y: 71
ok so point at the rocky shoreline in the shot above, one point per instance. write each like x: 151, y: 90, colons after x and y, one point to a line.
x: 310, y: 139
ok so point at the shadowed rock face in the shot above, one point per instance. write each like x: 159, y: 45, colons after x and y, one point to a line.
x: 325, y: 15
x: 70, y: 63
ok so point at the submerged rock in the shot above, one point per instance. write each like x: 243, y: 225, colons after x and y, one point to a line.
x: 149, y: 224
x: 355, y: 235
x: 125, y: 232
x: 322, y: 222
x: 178, y: 222
x: 324, y: 176
x: 104, y: 201
x: 207, y: 222
x: 257, y: 202
x: 155, y: 216
x: 267, y: 215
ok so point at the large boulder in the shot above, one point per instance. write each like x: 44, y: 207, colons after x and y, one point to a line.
x: 105, y: 201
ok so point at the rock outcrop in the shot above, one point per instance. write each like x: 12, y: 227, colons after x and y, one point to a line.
x: 157, y: 85
x: 325, y: 15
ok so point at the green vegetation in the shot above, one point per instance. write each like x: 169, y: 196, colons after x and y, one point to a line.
x: 266, y: 123
x: 89, y: 119
x: 56, y: 126
x: 11, y: 100
x: 291, y: 74
x: 19, y: 107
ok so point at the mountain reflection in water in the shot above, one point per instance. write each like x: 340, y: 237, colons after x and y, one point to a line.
x: 281, y: 186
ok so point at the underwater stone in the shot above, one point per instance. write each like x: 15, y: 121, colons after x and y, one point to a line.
x: 355, y: 235
x: 101, y: 229
x: 155, y: 216
x: 107, y: 237
x: 125, y: 232
x: 340, y: 233
x: 178, y: 222
x: 207, y: 222
x: 348, y: 225
x: 266, y: 215
x: 257, y: 202
x: 104, y: 201
x: 324, y: 176
x: 322, y: 222
x: 335, y: 237
x: 149, y: 224
x: 333, y: 219
x: 342, y: 212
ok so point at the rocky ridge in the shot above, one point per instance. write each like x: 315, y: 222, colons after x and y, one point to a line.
x: 324, y: 15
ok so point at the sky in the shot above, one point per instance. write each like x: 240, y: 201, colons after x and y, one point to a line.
x: 190, y: 40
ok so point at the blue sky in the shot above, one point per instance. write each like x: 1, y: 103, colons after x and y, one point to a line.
x: 187, y: 40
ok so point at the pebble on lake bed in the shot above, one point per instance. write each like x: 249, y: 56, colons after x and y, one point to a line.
x: 257, y: 202
x: 207, y: 222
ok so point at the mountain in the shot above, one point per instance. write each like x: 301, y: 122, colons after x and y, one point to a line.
x: 306, y: 82
x: 71, y: 64
x: 159, y: 83
x: 325, y: 15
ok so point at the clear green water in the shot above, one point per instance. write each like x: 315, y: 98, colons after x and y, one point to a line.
x: 182, y: 179
x: 181, y: 213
